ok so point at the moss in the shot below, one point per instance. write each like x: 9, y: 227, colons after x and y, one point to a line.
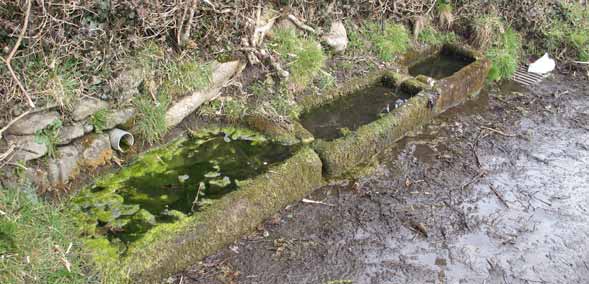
x: 283, y: 183
x: 172, y: 247
x: 356, y: 150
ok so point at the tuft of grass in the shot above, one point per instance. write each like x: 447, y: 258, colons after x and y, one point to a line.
x: 505, y: 56
x: 309, y: 61
x: 273, y: 102
x: 187, y: 75
x: 98, y: 120
x: 285, y: 42
x: 445, y: 14
x: 430, y: 36
x: 49, y: 136
x: 63, y: 84
x: 387, y: 41
x: 151, y: 117
x: 38, y: 241
x: 304, y: 56
x: 487, y: 30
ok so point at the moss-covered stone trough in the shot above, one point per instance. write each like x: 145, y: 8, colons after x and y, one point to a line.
x: 457, y: 72
x: 151, y: 219
x: 422, y: 98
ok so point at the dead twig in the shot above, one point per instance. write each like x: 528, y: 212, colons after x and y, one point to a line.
x: 499, y: 196
x: 498, y: 131
x: 300, y: 24
x: 317, y: 202
x: 8, y: 59
x: 13, y: 121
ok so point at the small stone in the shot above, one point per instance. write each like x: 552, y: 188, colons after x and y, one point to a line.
x: 88, y: 128
x: 119, y: 117
x: 39, y: 178
x: 64, y: 168
x: 26, y: 148
x: 87, y: 107
x: 32, y: 123
x: 126, y: 85
x: 68, y: 133
x: 98, y: 151
x: 337, y: 38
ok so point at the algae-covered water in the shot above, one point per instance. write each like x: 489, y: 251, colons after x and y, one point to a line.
x: 348, y: 113
x: 439, y: 67
x: 167, y: 184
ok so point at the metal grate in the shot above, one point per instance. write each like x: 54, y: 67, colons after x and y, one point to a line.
x: 523, y: 77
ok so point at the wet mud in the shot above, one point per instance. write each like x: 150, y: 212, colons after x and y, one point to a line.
x: 495, y: 191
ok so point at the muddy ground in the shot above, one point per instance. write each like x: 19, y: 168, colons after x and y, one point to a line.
x: 496, y: 191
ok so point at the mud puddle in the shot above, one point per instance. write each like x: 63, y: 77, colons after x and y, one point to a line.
x: 492, y: 192
x: 348, y: 113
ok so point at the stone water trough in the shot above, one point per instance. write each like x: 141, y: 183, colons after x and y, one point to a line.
x: 179, y: 203
x: 441, y: 79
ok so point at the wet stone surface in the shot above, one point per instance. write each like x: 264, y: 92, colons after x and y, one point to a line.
x: 348, y: 113
x: 167, y: 184
x: 493, y: 192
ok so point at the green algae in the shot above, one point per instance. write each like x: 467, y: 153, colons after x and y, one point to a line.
x: 168, y: 184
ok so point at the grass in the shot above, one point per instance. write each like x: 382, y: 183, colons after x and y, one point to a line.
x: 38, y: 242
x: 445, y: 14
x: 151, y: 117
x: 98, y: 120
x: 304, y: 56
x: 505, y: 55
x: 387, y: 41
x: 49, y: 136
x: 570, y: 33
x: 58, y: 82
x: 487, y: 30
x: 430, y: 36
x: 186, y: 75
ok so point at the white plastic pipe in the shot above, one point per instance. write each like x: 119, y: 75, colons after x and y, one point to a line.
x: 121, y: 140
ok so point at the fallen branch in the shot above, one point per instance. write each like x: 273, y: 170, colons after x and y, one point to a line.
x: 581, y: 62
x: 499, y: 196
x: 498, y: 132
x: 8, y: 59
x: 300, y: 24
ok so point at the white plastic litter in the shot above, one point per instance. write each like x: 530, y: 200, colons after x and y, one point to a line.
x: 543, y: 65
